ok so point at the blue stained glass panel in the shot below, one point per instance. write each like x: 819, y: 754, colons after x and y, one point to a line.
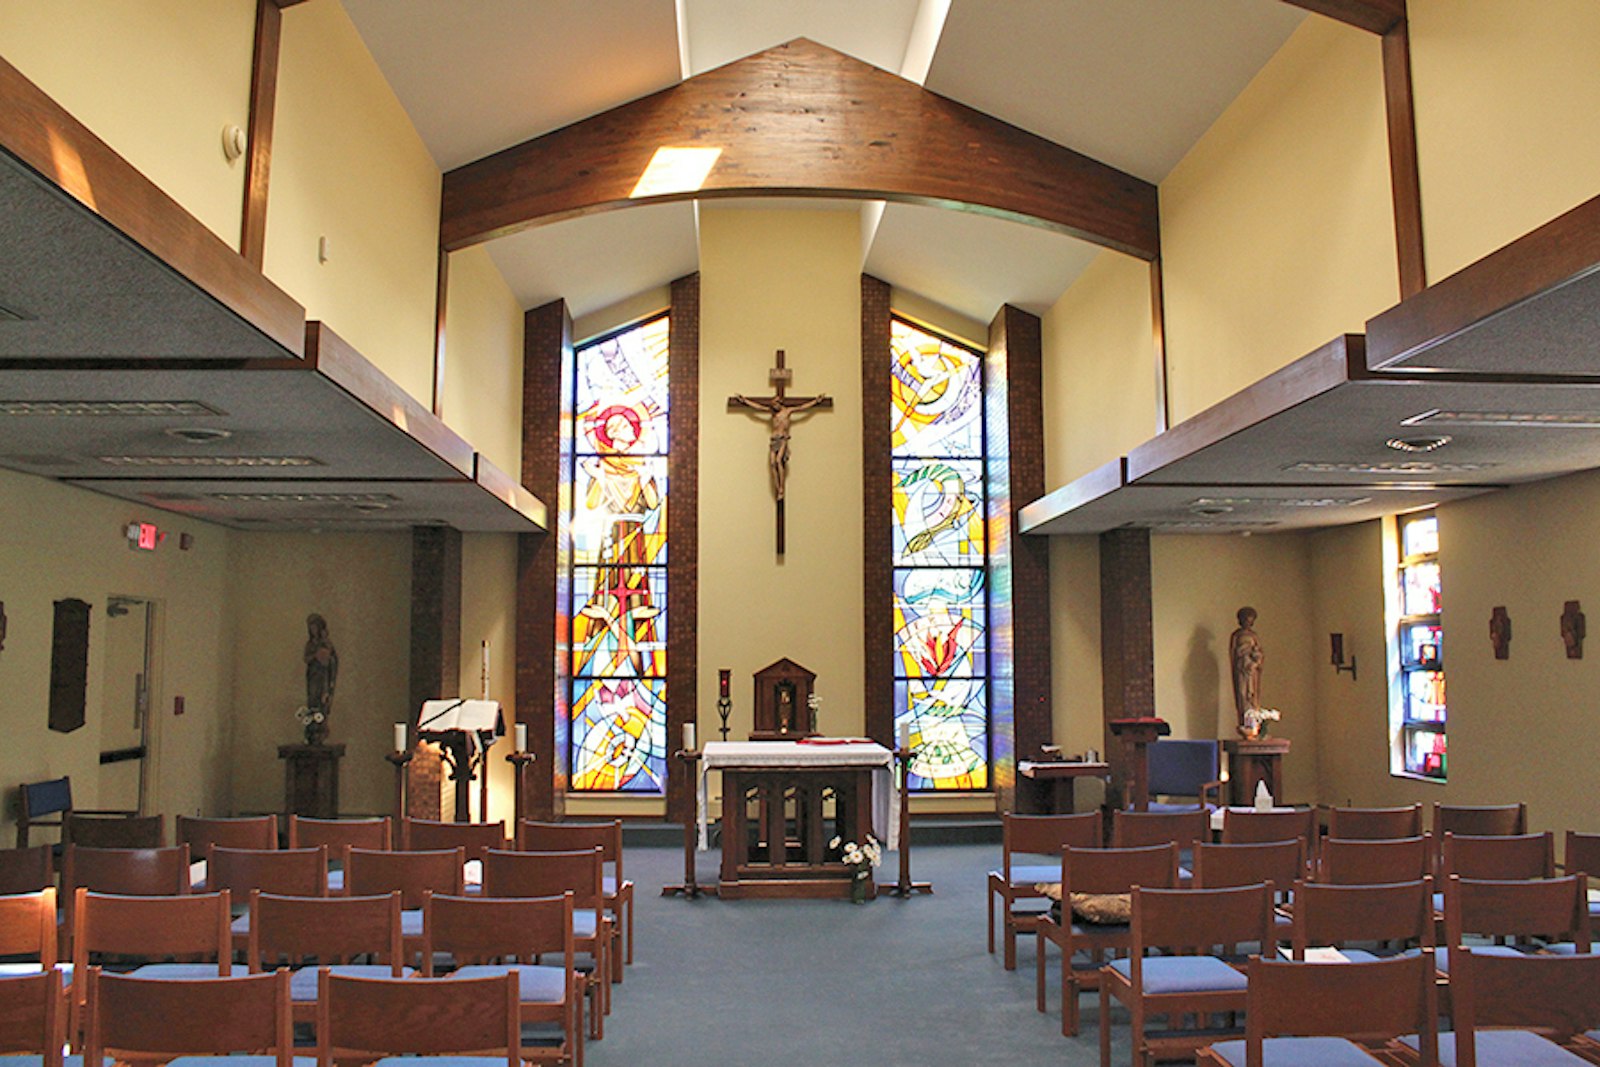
x: 619, y: 510
x: 619, y: 735
x: 948, y: 721
x: 938, y: 512
x: 936, y: 395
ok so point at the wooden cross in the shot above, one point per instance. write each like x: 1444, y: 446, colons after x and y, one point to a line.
x: 780, y: 409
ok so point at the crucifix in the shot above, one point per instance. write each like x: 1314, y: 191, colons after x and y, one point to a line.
x: 781, y: 410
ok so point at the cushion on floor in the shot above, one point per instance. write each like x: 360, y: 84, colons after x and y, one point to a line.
x: 536, y: 984
x: 1521, y: 1047
x: 1299, y: 1052
x: 1184, y: 974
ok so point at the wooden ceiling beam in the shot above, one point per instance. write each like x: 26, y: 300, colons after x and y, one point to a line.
x: 1374, y: 16
x: 804, y: 120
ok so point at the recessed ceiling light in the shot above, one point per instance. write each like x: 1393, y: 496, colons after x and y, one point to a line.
x: 211, y: 461
x: 1414, y: 466
x: 198, y: 435
x: 1418, y: 444
x: 1555, y: 420
x: 106, y: 407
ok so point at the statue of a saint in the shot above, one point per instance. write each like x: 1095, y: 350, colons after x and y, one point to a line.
x: 322, y: 665
x: 782, y: 412
x: 1245, y: 655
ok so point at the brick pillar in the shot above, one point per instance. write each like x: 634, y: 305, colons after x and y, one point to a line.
x: 877, y: 575
x: 683, y: 540
x: 435, y: 651
x: 1127, y: 647
x: 541, y: 702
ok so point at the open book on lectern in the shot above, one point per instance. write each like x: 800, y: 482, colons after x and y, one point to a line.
x: 480, y: 720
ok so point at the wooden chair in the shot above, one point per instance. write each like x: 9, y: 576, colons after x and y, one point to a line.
x: 1494, y: 820
x: 364, y: 1019
x: 143, y: 872
x: 414, y: 874
x: 293, y: 872
x: 473, y: 838
x: 1504, y: 858
x: 28, y: 926
x: 26, y: 870
x: 1185, y: 768
x: 534, y: 836
x: 96, y: 831
x: 1282, y: 863
x: 48, y: 804
x: 1581, y: 854
x: 1375, y: 861
x: 1333, y: 916
x: 1509, y: 1009
x: 1259, y: 827
x: 1375, y: 824
x: 297, y: 932
x: 1194, y: 928
x: 1547, y: 911
x: 488, y: 936
x: 551, y: 874
x: 1305, y: 1013
x: 1099, y: 871
x: 1032, y: 836
x: 256, y: 831
x: 140, y: 1019
x: 33, y: 1018
x: 338, y: 834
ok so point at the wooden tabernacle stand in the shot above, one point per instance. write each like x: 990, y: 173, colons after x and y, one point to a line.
x: 783, y: 709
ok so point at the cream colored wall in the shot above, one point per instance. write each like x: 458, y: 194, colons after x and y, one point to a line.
x: 488, y: 613
x: 635, y: 308
x: 156, y: 80
x: 1075, y: 681
x: 1276, y: 228
x: 72, y: 545
x: 1508, y: 119
x: 1198, y: 584
x: 348, y: 165
x: 360, y: 583
x: 1520, y: 728
x: 787, y: 279
x: 939, y: 318
x: 1099, y: 368
x: 483, y: 359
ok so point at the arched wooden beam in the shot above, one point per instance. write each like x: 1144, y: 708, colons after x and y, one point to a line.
x: 804, y: 120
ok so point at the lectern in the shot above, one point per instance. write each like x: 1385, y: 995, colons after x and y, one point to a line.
x: 465, y: 730
x: 1132, y: 784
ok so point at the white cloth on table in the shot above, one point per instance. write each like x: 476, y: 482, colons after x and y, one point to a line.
x: 716, y: 755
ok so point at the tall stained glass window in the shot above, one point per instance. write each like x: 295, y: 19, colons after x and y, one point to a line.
x: 1420, y: 716
x: 617, y: 532
x: 940, y: 555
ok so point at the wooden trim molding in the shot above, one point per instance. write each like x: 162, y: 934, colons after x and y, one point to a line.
x: 263, y: 114
x: 1404, y: 173
x: 41, y: 134
x: 1158, y: 341
x: 1374, y: 16
x: 683, y: 539
x: 803, y: 120
x: 440, y: 300
x: 877, y: 565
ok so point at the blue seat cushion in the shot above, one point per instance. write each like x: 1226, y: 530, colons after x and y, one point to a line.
x: 536, y: 984
x: 1184, y: 974
x: 1520, y: 1047
x: 241, y: 926
x: 238, y: 1060
x: 303, y: 982
x: 336, y: 880
x: 1441, y: 956
x: 1299, y: 1052
x: 180, y: 971
x: 1028, y: 875
x: 66, y: 1061
x: 441, y: 1061
x: 585, y: 921
x: 608, y: 884
x: 1566, y: 948
x: 8, y: 970
x: 411, y: 922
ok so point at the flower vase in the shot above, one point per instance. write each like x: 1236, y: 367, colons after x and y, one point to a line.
x: 316, y: 732
x: 858, y: 884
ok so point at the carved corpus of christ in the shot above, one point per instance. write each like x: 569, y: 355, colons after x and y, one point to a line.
x: 780, y: 411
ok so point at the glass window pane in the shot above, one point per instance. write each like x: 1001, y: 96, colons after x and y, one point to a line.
x: 620, y: 627
x: 949, y: 732
x: 1425, y: 696
x: 1421, y: 589
x: 1425, y: 753
x: 1421, y: 536
x: 1422, y: 645
x: 622, y: 392
x: 619, y: 510
x: 619, y: 735
x: 938, y: 512
x: 936, y: 395
x: 940, y: 623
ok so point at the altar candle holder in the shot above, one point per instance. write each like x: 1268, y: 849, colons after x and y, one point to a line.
x: 520, y: 762
x: 400, y: 759
x: 724, y: 700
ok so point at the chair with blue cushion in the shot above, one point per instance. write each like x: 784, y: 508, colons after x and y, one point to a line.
x: 1334, y: 916
x: 553, y: 874
x: 1301, y: 1014
x: 1545, y: 913
x: 535, y: 836
x: 356, y: 936
x: 1102, y: 873
x: 32, y: 1019
x: 1175, y: 965
x: 1185, y: 768
x: 1582, y: 855
x: 1476, y: 820
x: 28, y: 932
x: 252, y: 831
x: 141, y: 872
x: 1502, y: 857
x: 48, y: 804
x: 1283, y: 863
x: 240, y: 1021
x: 485, y: 936
x: 338, y: 834
x: 1375, y: 824
x: 1374, y: 861
x: 1522, y: 1010
x: 289, y: 872
x: 394, y: 1022
x: 414, y: 874
x: 1030, y: 856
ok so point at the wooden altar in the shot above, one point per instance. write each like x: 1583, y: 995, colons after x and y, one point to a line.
x: 783, y: 802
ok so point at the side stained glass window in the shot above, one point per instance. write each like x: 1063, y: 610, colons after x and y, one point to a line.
x: 617, y: 533
x: 940, y: 555
x: 1421, y: 726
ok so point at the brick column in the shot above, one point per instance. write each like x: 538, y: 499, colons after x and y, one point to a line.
x: 1127, y: 647
x: 541, y: 700
x: 877, y: 572
x: 435, y: 651
x: 683, y: 539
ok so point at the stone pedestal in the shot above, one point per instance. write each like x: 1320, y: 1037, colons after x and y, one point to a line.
x: 311, y: 780
x: 1250, y: 762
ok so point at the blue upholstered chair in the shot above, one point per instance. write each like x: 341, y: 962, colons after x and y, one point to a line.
x: 405, y: 1022
x: 1030, y: 856
x: 1184, y: 769
x: 332, y: 931
x: 195, y: 1022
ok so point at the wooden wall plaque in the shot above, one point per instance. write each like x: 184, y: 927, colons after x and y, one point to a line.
x: 69, y: 665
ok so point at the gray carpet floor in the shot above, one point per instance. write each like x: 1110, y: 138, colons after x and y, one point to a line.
x: 791, y: 982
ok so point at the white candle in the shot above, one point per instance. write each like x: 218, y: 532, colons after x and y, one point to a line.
x: 903, y: 736
x: 522, y: 737
x: 688, y: 737
x: 399, y: 737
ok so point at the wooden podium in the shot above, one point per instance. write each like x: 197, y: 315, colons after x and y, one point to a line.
x: 1250, y: 762
x: 1130, y: 781
x: 311, y: 780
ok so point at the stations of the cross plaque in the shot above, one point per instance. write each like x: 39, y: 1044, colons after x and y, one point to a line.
x: 780, y: 409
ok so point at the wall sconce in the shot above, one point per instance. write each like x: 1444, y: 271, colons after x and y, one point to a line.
x: 1337, y: 641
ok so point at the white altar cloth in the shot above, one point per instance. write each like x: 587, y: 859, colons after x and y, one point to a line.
x: 885, y: 797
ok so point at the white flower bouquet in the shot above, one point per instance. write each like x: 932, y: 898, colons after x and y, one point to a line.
x: 862, y: 858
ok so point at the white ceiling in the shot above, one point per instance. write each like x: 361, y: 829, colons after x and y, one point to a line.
x: 1131, y: 82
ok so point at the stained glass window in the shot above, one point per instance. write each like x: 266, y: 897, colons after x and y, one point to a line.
x: 617, y: 534
x: 1421, y: 716
x: 941, y: 592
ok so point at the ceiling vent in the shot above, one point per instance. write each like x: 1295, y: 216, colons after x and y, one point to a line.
x: 357, y: 499
x: 1413, y: 466
x: 210, y: 461
x: 1222, y: 505
x: 1553, y: 420
x: 76, y: 408
x: 1200, y: 524
x: 1418, y: 444
x: 199, y: 435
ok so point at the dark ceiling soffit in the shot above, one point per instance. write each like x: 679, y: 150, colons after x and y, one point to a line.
x: 48, y: 140
x: 1375, y: 16
x: 1563, y: 251
x: 804, y: 120
x: 1098, y: 483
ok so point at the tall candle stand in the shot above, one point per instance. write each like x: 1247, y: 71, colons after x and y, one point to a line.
x: 520, y: 761
x: 904, y: 887
x: 691, y: 889
x: 401, y: 760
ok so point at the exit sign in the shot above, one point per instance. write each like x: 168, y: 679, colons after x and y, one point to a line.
x: 144, y: 535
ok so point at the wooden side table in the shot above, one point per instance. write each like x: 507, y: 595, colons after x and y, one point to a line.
x: 1251, y: 762
x: 311, y: 780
